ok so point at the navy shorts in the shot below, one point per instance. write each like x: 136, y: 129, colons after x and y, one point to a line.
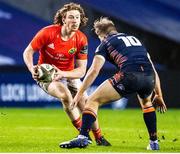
x: 127, y: 83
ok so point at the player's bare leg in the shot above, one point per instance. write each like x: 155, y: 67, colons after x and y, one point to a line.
x: 99, y: 97
x: 96, y: 130
x: 149, y: 115
x: 61, y: 92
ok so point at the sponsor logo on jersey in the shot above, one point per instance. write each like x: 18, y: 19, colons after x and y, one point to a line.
x: 72, y: 50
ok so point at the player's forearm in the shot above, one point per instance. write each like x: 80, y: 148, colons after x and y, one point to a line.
x: 157, y: 79
x: 74, y: 74
x: 28, y: 62
x: 93, y: 72
x: 89, y: 79
x: 28, y: 59
x: 158, y: 85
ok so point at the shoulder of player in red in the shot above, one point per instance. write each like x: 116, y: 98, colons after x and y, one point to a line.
x: 43, y: 36
x: 83, y: 43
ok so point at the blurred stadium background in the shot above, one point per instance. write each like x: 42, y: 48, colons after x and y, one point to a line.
x: 154, y: 22
x: 40, y: 127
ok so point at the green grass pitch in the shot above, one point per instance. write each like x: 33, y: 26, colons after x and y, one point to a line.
x: 42, y: 129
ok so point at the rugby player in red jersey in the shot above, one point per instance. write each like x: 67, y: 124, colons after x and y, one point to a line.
x: 64, y: 46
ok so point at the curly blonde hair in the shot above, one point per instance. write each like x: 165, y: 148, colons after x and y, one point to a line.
x: 103, y: 26
x: 61, y: 13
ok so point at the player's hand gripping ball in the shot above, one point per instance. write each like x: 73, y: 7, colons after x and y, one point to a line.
x: 46, y: 73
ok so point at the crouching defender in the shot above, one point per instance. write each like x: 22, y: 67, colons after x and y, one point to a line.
x: 136, y: 74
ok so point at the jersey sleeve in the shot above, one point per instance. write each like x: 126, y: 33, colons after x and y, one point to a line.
x: 39, y: 40
x: 101, y: 50
x: 83, y: 50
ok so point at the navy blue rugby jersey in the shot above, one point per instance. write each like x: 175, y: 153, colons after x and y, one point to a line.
x: 126, y: 52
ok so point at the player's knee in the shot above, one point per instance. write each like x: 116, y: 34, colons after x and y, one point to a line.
x: 65, y: 99
x: 82, y: 103
x: 63, y: 96
x: 67, y: 108
x: 147, y: 103
x: 91, y: 103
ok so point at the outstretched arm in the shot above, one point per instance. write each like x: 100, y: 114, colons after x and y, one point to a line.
x: 157, y: 98
x: 91, y: 75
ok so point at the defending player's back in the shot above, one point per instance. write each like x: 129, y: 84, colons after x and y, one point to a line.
x: 126, y: 52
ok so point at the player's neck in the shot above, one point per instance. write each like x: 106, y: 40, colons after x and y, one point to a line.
x: 113, y: 32
x: 66, y: 34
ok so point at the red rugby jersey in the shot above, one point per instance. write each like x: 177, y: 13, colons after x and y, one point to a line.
x: 54, y: 50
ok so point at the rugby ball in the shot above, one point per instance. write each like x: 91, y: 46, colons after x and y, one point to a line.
x: 46, y: 73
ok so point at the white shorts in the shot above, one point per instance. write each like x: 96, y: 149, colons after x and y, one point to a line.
x: 72, y: 84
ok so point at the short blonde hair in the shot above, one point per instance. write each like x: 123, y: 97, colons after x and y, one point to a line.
x: 103, y: 26
x: 61, y: 13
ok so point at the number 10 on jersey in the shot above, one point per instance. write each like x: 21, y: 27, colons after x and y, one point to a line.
x: 130, y: 41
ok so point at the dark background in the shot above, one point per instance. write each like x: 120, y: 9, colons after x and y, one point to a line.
x: 156, y: 23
